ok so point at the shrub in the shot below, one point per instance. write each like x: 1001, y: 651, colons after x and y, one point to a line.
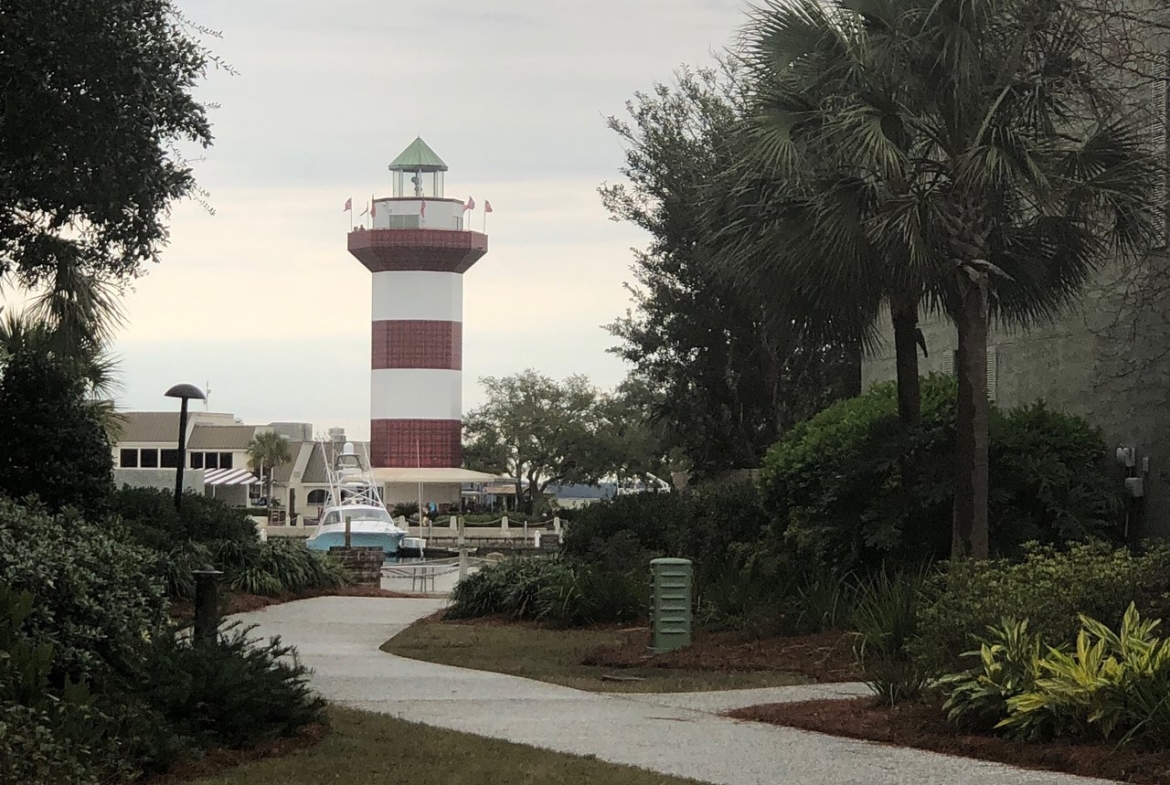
x: 235, y: 693
x: 977, y: 700
x: 647, y: 521
x: 1054, y: 587
x: 48, y: 735
x: 55, y: 446
x: 885, y: 623
x: 835, y: 484
x: 1111, y: 685
x: 96, y: 604
x: 152, y: 520
x: 561, y: 593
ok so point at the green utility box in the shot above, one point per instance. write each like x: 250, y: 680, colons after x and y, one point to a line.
x: 670, y: 604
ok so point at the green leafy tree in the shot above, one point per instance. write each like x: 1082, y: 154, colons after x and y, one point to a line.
x: 537, y: 431
x: 734, y: 370
x: 96, y: 96
x: 55, y: 445
x: 989, y: 162
x: 267, y: 450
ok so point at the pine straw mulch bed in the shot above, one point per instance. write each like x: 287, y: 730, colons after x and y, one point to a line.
x: 823, y: 657
x: 184, y: 610
x: 922, y: 725
x: 214, y: 761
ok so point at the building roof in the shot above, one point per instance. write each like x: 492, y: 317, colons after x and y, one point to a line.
x: 149, y: 427
x: 316, y: 470
x: 426, y: 475
x: 283, y: 472
x: 221, y: 437
x: 418, y: 157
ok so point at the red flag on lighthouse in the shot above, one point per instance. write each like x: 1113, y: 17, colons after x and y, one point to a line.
x: 348, y: 205
x: 422, y: 210
x: 470, y: 204
x: 487, y: 206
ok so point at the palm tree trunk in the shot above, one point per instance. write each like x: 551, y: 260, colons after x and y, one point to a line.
x: 972, y: 418
x: 905, y: 318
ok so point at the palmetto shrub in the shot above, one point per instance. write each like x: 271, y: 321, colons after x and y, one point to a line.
x: 884, y: 622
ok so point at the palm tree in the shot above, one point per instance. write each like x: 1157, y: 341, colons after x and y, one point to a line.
x: 73, y: 318
x: 268, y: 448
x: 967, y: 154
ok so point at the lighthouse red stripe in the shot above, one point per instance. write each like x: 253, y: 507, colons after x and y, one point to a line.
x: 429, y: 444
x: 416, y: 343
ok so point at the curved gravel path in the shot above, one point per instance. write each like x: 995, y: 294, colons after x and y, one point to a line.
x: 678, y: 734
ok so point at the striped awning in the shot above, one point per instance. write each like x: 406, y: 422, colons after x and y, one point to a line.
x: 229, y: 477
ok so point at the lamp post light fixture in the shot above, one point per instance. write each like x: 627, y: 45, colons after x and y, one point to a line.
x: 185, y: 392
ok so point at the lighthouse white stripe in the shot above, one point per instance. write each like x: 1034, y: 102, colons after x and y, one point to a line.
x: 416, y: 394
x: 418, y: 295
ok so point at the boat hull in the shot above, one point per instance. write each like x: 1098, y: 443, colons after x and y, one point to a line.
x: 388, y: 541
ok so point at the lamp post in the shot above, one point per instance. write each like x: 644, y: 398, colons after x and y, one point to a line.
x: 185, y: 392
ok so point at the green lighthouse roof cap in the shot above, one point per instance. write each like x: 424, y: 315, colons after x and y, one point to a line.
x: 418, y: 157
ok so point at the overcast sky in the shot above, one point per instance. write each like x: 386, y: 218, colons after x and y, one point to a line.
x: 262, y: 300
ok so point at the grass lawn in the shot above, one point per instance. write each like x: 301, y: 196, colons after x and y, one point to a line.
x: 556, y: 656
x: 373, y: 749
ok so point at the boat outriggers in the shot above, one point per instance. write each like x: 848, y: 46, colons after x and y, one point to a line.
x: 354, y: 497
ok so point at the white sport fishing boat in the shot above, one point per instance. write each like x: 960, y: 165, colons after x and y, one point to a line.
x: 353, y: 495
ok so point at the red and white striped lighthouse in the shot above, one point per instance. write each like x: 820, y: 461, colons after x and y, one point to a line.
x: 417, y: 249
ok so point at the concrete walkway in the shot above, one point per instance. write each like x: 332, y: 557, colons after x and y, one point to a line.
x: 676, y: 734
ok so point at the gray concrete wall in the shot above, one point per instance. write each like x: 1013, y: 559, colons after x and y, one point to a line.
x: 1099, y: 359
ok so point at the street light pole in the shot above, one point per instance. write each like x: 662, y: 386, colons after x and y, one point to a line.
x: 185, y: 392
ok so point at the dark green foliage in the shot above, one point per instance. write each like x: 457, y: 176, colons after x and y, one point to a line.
x: 96, y: 600
x: 834, y: 484
x: 207, y: 532
x: 1048, y: 480
x: 561, y: 593
x: 885, y: 623
x: 152, y: 519
x: 642, y: 523
x: 235, y: 693
x: 53, y: 442
x: 46, y: 734
x: 95, y: 95
x: 279, y: 565
x: 731, y: 371
x: 743, y: 579
x: 1048, y: 586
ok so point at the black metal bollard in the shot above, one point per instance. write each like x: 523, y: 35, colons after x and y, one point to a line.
x: 206, y: 605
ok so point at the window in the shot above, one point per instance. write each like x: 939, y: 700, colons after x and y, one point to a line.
x: 225, y: 460
x: 318, y: 496
x: 169, y: 459
x: 951, y: 357
x: 196, y: 460
x: 404, y: 222
x: 148, y: 459
x: 128, y: 459
x: 210, y: 460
